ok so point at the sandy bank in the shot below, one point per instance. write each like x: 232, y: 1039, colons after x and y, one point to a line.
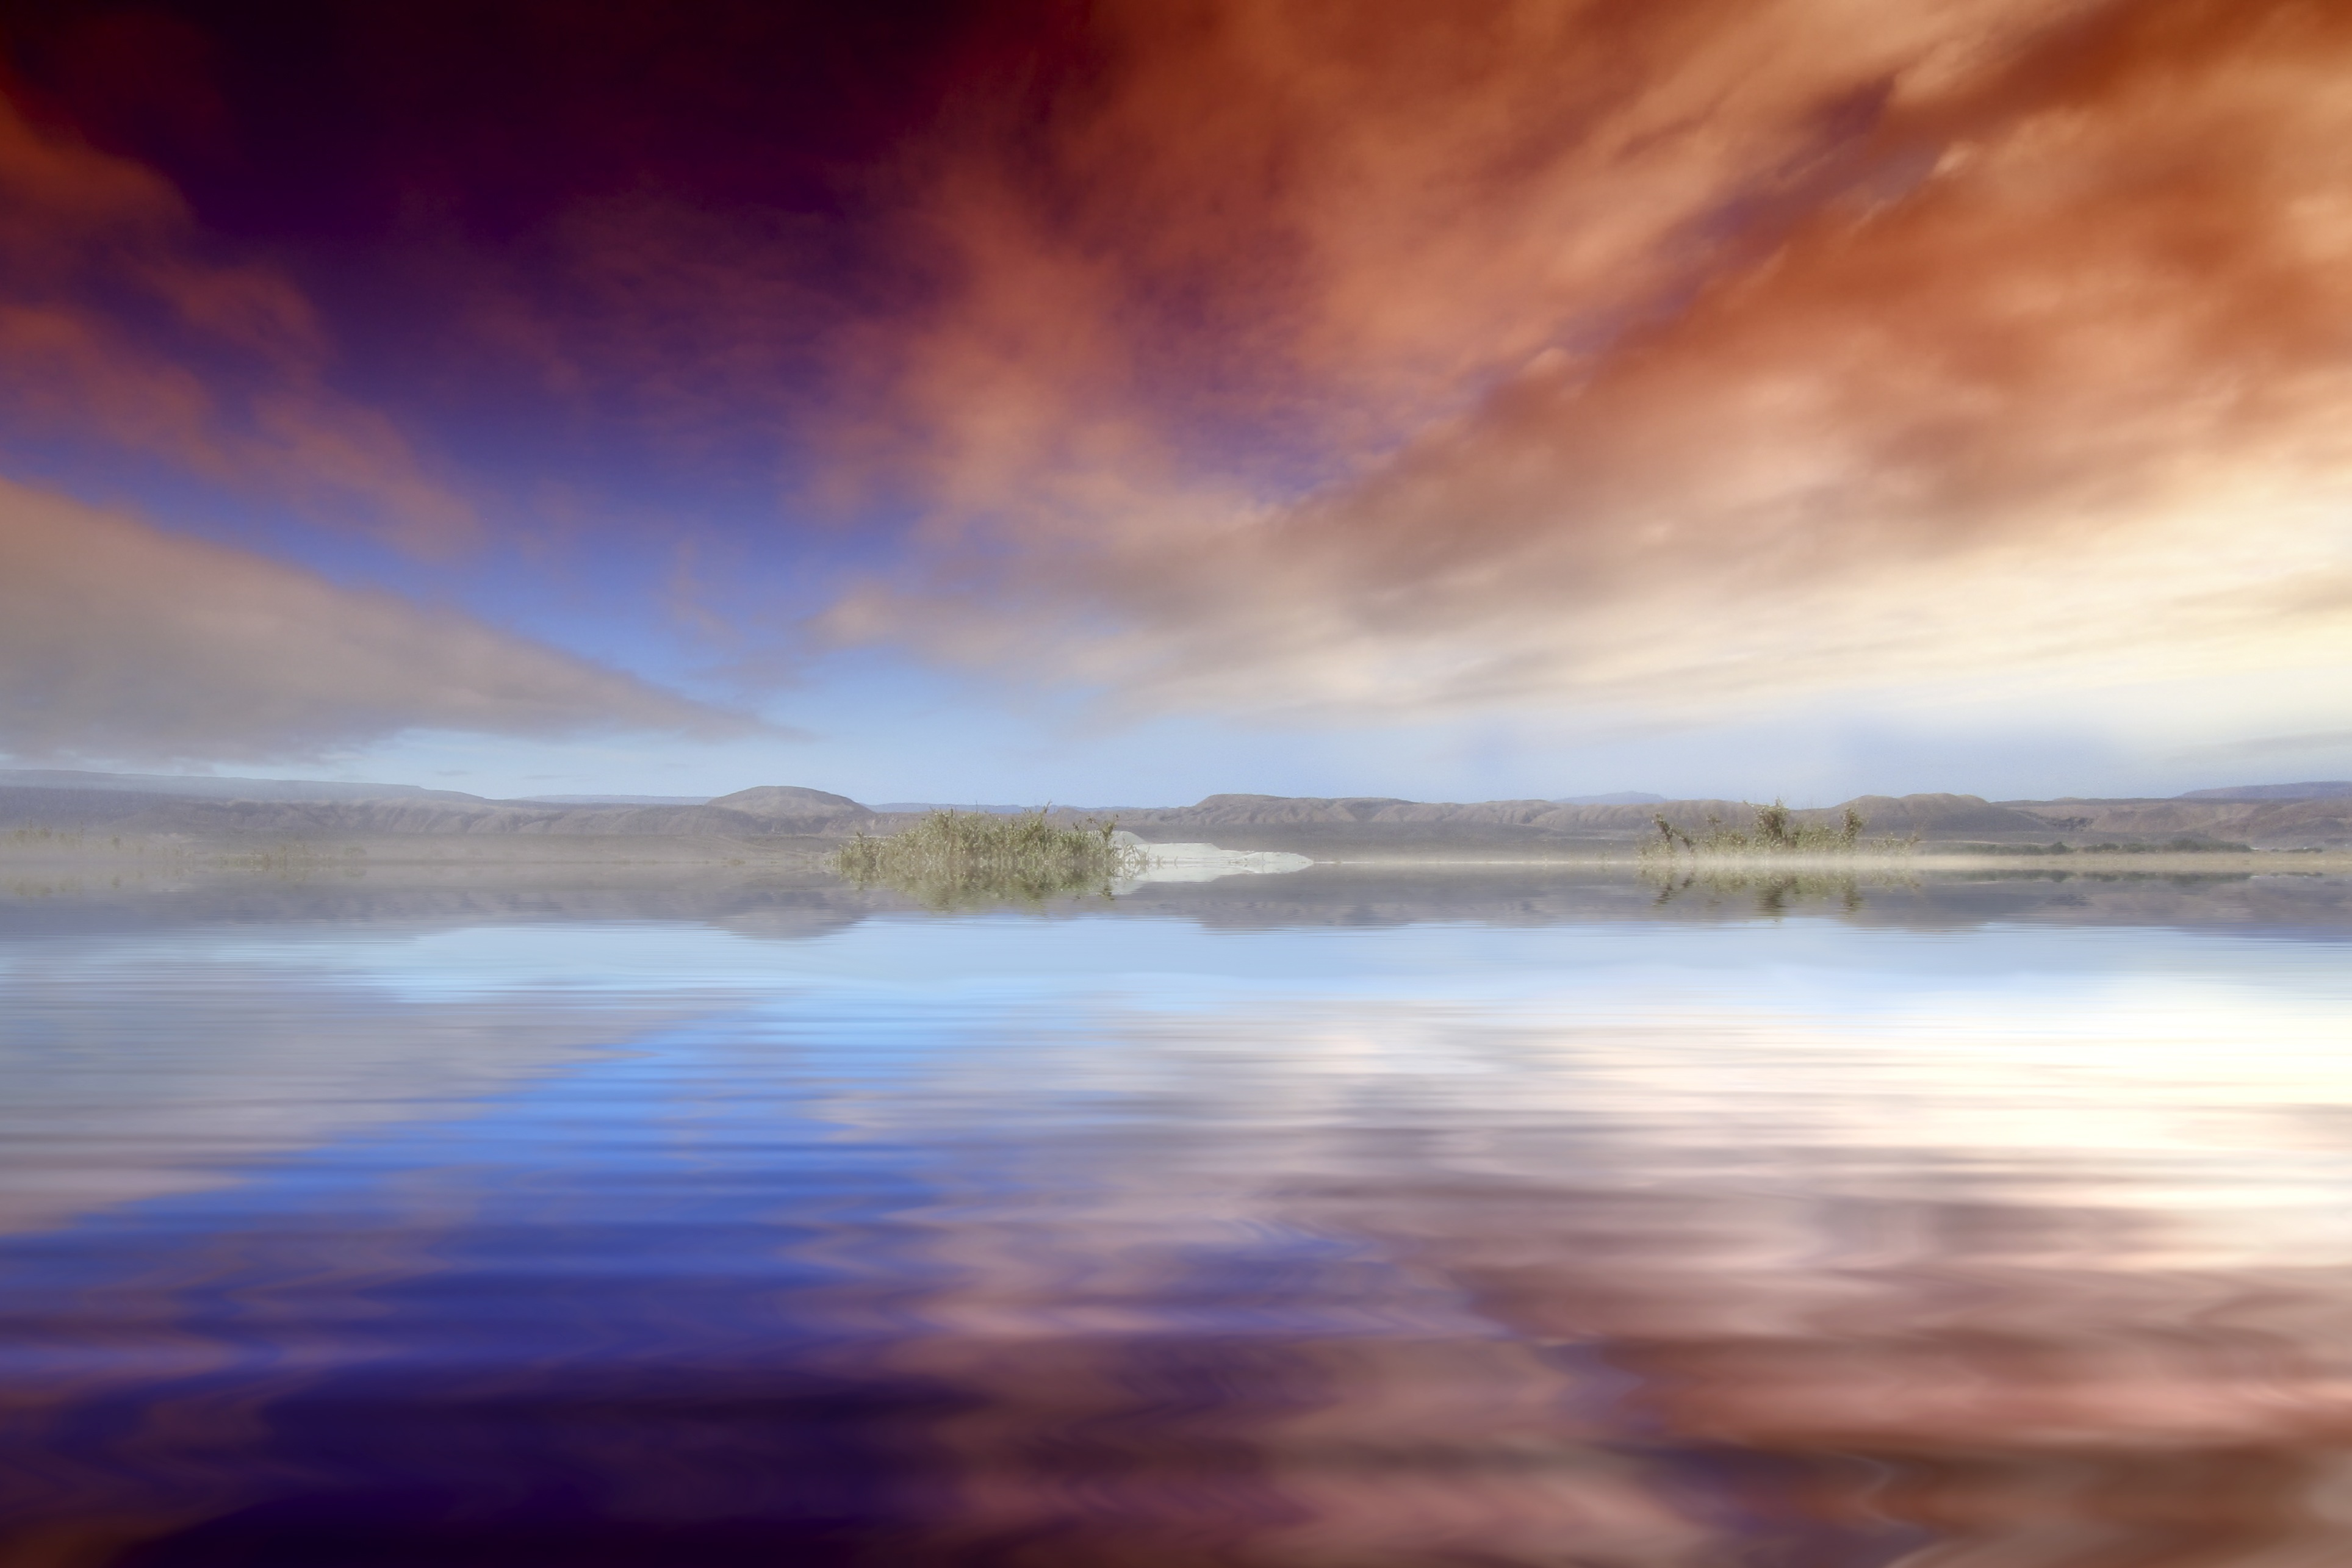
x: 1207, y: 862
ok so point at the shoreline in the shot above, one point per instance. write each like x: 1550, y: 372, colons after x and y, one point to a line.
x: 639, y: 856
x: 2331, y: 862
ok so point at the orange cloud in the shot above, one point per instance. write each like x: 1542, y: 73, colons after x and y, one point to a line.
x: 113, y: 325
x: 120, y: 641
x: 1670, y: 354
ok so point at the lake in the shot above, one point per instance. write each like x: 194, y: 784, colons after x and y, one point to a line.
x: 1348, y: 1218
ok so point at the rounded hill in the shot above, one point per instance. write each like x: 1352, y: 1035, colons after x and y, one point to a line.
x: 788, y: 800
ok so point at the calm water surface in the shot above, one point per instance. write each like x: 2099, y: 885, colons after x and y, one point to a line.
x: 1349, y: 1219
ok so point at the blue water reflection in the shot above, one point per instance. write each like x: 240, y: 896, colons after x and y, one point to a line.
x: 1552, y: 1231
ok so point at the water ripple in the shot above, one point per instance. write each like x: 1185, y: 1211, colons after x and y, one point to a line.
x: 1118, y: 1242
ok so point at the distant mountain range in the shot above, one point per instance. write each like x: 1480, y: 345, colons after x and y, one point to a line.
x: 2266, y: 815
x: 917, y: 806
x: 2329, y: 789
x: 206, y: 786
x: 207, y: 807
x: 619, y: 799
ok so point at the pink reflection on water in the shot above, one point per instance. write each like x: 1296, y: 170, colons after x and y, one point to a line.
x: 2057, y: 1279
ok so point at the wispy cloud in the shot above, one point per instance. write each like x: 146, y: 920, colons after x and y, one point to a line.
x: 121, y: 642
x: 119, y: 326
x: 1687, y: 355
x: 1318, y: 360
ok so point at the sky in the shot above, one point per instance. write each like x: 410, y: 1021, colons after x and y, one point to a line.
x: 1115, y: 402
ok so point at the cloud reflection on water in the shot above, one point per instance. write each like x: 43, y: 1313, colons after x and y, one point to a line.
x: 1119, y: 1240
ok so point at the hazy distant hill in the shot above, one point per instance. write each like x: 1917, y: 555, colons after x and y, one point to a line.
x: 910, y: 806
x: 2330, y: 789
x: 2266, y: 816
x: 619, y: 799
x: 752, y: 813
x: 2290, y: 823
x: 207, y: 786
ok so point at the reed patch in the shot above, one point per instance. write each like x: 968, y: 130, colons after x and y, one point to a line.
x: 1778, y: 832
x: 951, y: 859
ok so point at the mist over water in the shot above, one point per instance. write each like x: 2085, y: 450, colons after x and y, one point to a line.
x: 1341, y: 1219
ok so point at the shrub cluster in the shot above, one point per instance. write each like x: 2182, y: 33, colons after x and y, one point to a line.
x: 961, y: 856
x: 1777, y: 831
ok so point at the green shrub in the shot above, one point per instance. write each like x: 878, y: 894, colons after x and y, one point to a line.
x: 953, y: 858
x: 1776, y: 832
